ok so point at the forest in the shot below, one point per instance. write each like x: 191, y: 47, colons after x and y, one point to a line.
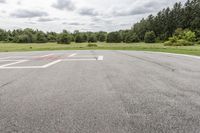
x: 176, y: 26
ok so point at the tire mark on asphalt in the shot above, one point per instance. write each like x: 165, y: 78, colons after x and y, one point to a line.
x: 7, y: 83
x: 150, y: 61
x: 14, y: 80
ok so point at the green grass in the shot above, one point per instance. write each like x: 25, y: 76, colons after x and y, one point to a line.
x: 157, y: 47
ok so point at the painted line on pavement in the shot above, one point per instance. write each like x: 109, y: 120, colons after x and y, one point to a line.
x: 14, y: 63
x: 100, y: 58
x: 45, y: 55
x: 72, y: 55
x: 79, y: 60
x: 52, y: 63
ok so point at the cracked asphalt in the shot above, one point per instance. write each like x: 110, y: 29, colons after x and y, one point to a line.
x: 127, y: 92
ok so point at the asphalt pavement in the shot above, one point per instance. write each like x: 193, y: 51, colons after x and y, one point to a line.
x: 99, y: 92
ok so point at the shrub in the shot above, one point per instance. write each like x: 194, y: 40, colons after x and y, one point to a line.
x: 79, y: 38
x: 64, y: 38
x: 92, y: 38
x: 40, y: 37
x: 179, y: 33
x: 114, y: 37
x: 180, y: 42
x: 173, y: 39
x: 150, y: 37
x: 189, y: 36
x: 181, y: 38
x: 23, y: 39
x: 198, y: 42
x: 92, y: 45
x: 131, y: 38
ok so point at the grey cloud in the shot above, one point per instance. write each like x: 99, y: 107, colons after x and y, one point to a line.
x: 143, y: 8
x: 73, y: 23
x: 19, y: 3
x: 3, y: 11
x: 155, y: 4
x: 101, y: 20
x: 30, y: 22
x: 88, y: 12
x: 64, y: 5
x: 28, y: 14
x: 135, y: 11
x: 2, y: 1
x: 95, y: 19
x: 47, y: 19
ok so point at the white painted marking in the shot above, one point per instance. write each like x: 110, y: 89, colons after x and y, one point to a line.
x: 52, y: 63
x: 100, y: 58
x: 29, y: 56
x: 14, y: 63
x: 7, y: 60
x: 79, y: 60
x: 72, y: 55
x: 45, y: 55
x: 23, y: 67
x: 29, y: 67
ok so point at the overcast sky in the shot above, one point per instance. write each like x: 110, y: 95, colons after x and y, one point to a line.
x: 83, y: 15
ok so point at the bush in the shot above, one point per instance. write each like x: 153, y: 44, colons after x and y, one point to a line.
x: 173, y: 39
x: 198, y: 42
x: 23, y: 39
x: 189, y: 36
x: 179, y: 33
x: 181, y: 38
x: 64, y: 38
x: 131, y: 38
x: 92, y: 45
x: 150, y: 37
x: 180, y: 42
x: 168, y: 43
x: 40, y: 37
x: 92, y: 38
x: 114, y: 37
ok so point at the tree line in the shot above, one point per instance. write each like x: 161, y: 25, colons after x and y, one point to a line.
x: 35, y: 36
x: 177, y: 24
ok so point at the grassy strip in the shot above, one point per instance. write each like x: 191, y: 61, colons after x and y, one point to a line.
x: 157, y: 47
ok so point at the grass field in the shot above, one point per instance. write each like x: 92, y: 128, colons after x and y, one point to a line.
x: 157, y: 47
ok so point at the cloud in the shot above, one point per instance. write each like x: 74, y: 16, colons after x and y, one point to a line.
x: 47, y: 19
x: 88, y: 12
x: 19, y: 3
x: 140, y: 8
x: 109, y: 14
x: 130, y: 12
x: 3, y: 11
x: 28, y: 14
x: 64, y: 5
x: 30, y: 22
x: 2, y: 1
x: 73, y: 23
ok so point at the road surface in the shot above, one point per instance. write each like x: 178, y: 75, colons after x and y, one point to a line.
x: 99, y: 92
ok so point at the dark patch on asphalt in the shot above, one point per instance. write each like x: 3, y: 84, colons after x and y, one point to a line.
x: 10, y: 82
x: 150, y: 61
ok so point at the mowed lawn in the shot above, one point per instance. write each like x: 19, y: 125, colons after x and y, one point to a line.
x: 157, y: 47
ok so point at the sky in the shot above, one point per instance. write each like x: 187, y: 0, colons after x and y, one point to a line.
x: 82, y: 15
